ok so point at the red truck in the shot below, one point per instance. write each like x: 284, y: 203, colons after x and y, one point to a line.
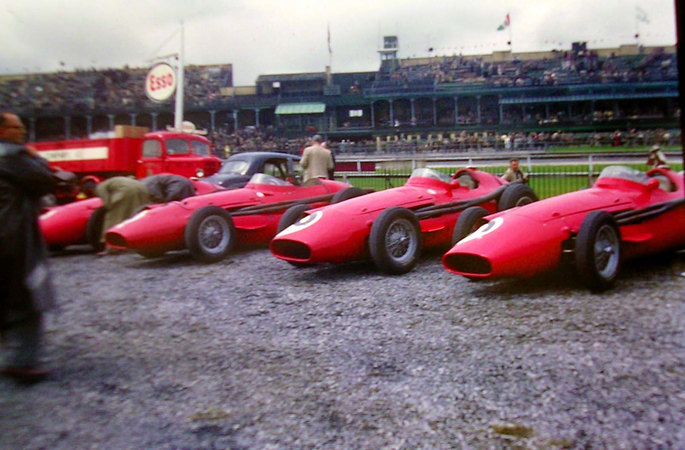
x: 132, y: 151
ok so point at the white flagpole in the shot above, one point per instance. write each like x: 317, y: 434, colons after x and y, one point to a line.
x: 330, y: 50
x: 178, y: 112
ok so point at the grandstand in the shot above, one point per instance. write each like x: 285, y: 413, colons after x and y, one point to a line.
x: 628, y: 88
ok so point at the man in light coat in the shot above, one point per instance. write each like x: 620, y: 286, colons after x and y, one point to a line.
x: 316, y: 160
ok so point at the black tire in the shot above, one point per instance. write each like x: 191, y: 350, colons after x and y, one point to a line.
x: 346, y: 194
x: 516, y: 194
x: 210, y: 234
x: 292, y: 215
x: 469, y: 221
x: 289, y: 217
x: 395, y: 241
x: 598, y: 251
x: 94, y: 229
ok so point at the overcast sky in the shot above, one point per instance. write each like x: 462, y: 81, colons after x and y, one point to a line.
x: 290, y: 36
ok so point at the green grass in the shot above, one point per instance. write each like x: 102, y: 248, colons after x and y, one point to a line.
x: 546, y: 181
x: 643, y: 149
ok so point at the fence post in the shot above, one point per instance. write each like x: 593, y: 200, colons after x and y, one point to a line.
x: 590, y: 170
x: 530, y: 167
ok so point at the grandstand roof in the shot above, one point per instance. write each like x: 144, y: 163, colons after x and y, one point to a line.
x: 292, y: 77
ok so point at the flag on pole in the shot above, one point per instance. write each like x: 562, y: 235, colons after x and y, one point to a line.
x: 330, y: 51
x: 641, y: 15
x: 504, y: 24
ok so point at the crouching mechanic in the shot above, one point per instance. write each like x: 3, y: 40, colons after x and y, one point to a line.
x: 123, y: 196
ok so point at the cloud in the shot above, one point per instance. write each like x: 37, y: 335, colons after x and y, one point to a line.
x: 269, y: 36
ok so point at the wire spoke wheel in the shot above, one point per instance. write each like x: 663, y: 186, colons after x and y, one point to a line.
x: 213, y: 234
x: 598, y: 251
x: 395, y: 241
x: 606, y: 251
x: 210, y: 234
x: 400, y: 241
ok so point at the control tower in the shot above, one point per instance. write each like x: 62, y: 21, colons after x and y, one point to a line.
x: 388, y: 53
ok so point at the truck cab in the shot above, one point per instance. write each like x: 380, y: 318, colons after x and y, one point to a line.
x: 184, y: 154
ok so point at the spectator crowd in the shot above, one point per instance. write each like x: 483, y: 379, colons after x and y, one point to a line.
x: 568, y: 67
x: 110, y: 89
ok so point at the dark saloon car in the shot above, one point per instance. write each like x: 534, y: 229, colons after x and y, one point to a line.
x: 237, y: 170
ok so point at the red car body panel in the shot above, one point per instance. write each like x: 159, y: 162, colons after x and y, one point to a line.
x: 66, y: 225
x: 161, y: 228
x: 339, y: 233
x: 527, y: 240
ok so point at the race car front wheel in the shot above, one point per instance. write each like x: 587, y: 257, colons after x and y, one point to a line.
x: 516, y: 194
x: 210, y: 234
x: 598, y: 251
x: 292, y: 215
x: 469, y: 221
x: 346, y: 194
x: 395, y: 241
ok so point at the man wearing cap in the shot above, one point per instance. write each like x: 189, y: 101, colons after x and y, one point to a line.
x: 656, y: 158
x: 316, y: 160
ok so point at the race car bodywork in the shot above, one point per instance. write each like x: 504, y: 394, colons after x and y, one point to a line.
x: 68, y: 224
x: 625, y: 214
x: 392, y: 226
x: 210, y: 225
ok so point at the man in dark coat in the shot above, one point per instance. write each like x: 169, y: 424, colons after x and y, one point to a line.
x: 166, y: 188
x: 25, y: 287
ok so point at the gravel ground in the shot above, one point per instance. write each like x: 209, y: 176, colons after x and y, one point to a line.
x: 253, y: 353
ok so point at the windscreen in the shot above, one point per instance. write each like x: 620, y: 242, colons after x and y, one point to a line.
x: 260, y: 178
x: 425, y: 172
x: 237, y: 167
x: 626, y: 173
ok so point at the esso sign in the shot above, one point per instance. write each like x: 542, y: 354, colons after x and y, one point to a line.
x: 160, y: 82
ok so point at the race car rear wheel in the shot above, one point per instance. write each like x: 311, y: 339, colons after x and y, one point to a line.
x: 516, y: 194
x: 210, y: 234
x: 598, y: 251
x: 395, y: 241
x: 94, y: 229
x: 469, y: 221
x: 346, y: 194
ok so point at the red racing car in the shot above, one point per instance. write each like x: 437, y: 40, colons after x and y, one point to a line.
x: 627, y: 213
x: 392, y: 226
x: 210, y: 225
x: 80, y: 222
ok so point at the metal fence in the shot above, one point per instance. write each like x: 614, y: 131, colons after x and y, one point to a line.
x: 441, y: 143
x: 548, y: 175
